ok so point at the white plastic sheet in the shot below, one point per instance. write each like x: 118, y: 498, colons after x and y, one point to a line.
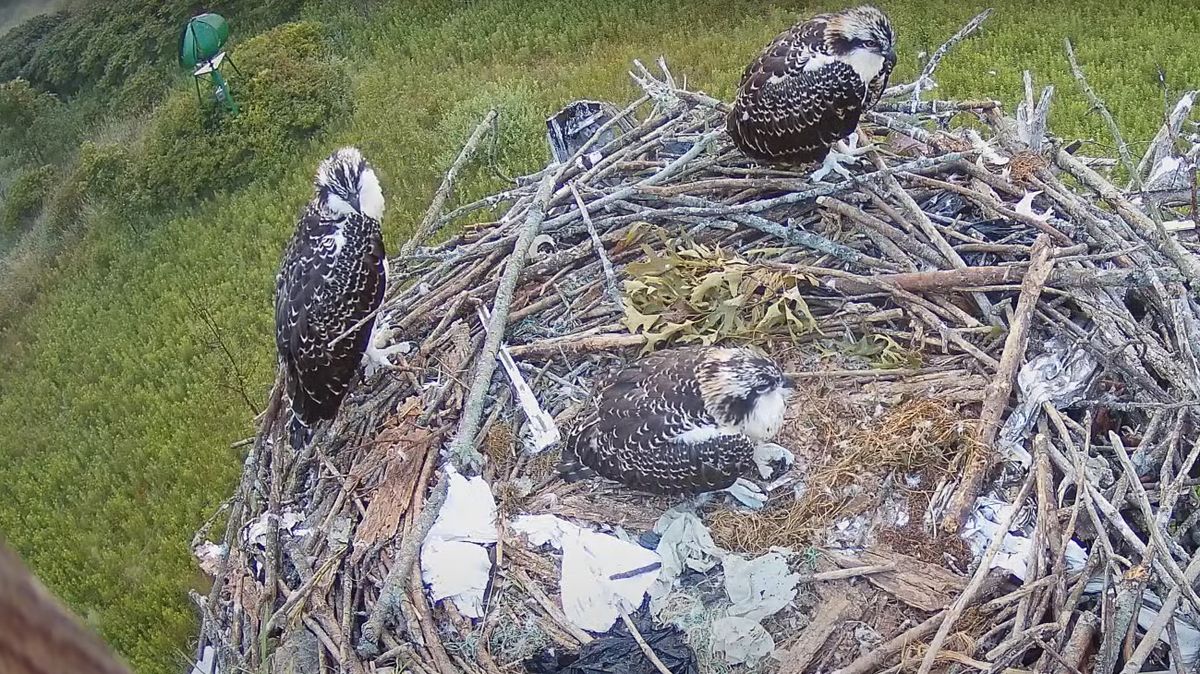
x: 602, y: 575
x: 454, y: 560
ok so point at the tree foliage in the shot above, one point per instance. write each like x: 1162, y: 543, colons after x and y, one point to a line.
x: 24, y: 113
x: 290, y: 88
x: 24, y: 199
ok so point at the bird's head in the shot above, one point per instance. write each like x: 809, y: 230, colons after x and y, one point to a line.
x: 746, y: 390
x: 861, y: 31
x: 346, y: 183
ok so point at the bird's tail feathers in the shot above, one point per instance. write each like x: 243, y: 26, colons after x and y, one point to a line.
x: 299, y: 433
x: 570, y: 468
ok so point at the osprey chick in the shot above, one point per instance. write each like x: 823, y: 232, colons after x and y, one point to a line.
x: 686, y: 420
x: 333, y: 276
x: 808, y: 88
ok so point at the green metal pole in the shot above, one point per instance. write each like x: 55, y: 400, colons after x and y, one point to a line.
x: 223, y: 92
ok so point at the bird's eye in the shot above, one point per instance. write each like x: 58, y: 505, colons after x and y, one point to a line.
x: 870, y: 44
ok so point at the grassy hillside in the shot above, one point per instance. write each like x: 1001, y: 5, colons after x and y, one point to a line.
x: 116, y: 409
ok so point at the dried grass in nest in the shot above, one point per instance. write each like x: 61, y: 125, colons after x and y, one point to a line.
x: 920, y: 435
x: 510, y: 499
x: 923, y: 435
x: 913, y: 540
x: 499, y: 447
x: 542, y: 466
x: 956, y: 649
x: 1025, y: 165
x: 515, y: 635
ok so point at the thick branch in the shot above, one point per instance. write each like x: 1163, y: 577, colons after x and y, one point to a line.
x: 462, y: 449
x: 997, y: 393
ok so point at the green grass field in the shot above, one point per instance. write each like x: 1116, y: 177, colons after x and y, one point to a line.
x: 116, y: 411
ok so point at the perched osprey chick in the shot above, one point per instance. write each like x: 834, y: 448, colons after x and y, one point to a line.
x: 686, y: 420
x: 808, y: 88
x: 333, y: 276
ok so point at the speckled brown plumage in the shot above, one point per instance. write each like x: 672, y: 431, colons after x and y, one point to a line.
x: 332, y: 276
x: 804, y: 92
x: 679, y: 421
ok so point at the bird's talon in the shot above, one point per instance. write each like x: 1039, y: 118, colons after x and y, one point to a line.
x: 833, y: 162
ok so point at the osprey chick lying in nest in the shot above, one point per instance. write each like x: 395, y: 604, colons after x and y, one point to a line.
x: 807, y: 90
x: 685, y: 420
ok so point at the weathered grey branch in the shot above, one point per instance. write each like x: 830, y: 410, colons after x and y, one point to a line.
x: 429, y: 223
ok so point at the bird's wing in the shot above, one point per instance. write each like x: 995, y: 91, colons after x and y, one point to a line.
x: 632, y: 433
x: 708, y: 465
x: 795, y: 100
x: 788, y: 52
x: 328, y: 283
x: 294, y: 285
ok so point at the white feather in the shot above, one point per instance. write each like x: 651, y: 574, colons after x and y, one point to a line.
x: 701, y: 434
x: 865, y: 62
x: 370, y: 195
x: 338, y: 238
x: 766, y: 418
x: 338, y: 205
x: 818, y: 61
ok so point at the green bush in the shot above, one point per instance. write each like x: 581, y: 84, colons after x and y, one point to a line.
x: 103, y: 176
x: 103, y: 171
x: 24, y: 200
x: 25, y: 114
x: 289, y: 89
x: 21, y: 46
x: 103, y: 44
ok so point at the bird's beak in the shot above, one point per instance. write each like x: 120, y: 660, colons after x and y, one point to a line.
x: 891, y: 56
x: 789, y: 384
x: 354, y: 203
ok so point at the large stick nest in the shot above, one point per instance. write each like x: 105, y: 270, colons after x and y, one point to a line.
x: 907, y: 297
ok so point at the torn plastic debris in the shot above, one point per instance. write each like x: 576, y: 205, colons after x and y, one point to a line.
x: 255, y: 532
x: 618, y: 653
x: 207, y: 664
x: 601, y: 574
x: 759, y: 588
x: 741, y: 640
x: 1058, y: 376
x: 756, y: 589
x: 208, y: 555
x: 684, y: 544
x: 1186, y: 629
x: 539, y: 426
x: 1025, y: 207
x: 455, y: 563
x: 984, y: 523
x: 569, y: 129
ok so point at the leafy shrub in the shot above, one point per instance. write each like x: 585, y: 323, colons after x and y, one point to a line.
x: 104, y: 44
x: 102, y: 174
x: 288, y: 90
x: 24, y: 200
x: 23, y: 112
x: 104, y: 170
x: 22, y: 44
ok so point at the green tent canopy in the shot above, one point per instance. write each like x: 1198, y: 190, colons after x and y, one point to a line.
x: 202, y: 39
